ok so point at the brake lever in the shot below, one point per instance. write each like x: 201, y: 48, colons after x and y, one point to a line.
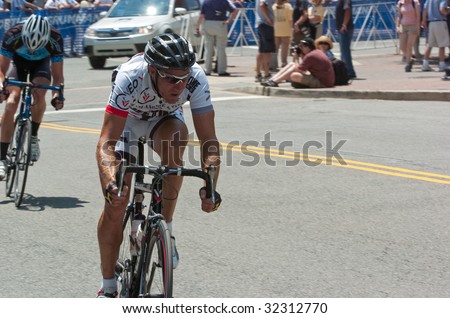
x: 211, y: 170
x: 120, y: 176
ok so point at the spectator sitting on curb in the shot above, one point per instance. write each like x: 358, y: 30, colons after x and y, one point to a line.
x: 315, y: 71
x: 285, y: 72
x: 324, y: 44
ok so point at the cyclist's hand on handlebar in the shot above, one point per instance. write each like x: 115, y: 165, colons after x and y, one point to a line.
x: 111, y: 194
x: 4, y: 93
x: 57, y: 103
x: 207, y: 204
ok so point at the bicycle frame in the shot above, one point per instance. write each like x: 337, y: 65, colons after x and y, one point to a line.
x: 154, y: 227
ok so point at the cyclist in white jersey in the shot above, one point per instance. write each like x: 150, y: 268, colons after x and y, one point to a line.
x: 146, y: 100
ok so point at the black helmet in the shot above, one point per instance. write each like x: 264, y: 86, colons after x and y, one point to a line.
x: 170, y: 51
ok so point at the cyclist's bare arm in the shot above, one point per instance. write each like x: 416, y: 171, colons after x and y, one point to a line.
x: 58, y: 79
x: 4, y: 65
x: 210, y: 151
x: 113, y: 126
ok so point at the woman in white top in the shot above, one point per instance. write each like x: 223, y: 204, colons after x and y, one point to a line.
x: 316, y: 13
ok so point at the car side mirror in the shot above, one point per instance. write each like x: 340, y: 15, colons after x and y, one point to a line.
x: 180, y: 11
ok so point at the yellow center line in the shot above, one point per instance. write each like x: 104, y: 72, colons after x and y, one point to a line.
x: 322, y: 160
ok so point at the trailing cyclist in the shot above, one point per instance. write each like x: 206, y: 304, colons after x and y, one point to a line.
x: 35, y: 48
x: 146, y: 100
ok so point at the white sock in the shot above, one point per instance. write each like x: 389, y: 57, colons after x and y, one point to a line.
x: 169, y: 225
x: 109, y: 285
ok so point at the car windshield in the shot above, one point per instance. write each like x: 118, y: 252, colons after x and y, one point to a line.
x: 134, y: 8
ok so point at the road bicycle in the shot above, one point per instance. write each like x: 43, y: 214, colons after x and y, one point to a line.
x: 18, y: 157
x: 144, y: 265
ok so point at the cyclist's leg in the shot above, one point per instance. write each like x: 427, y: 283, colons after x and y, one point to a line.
x: 110, y: 235
x: 169, y: 139
x: 39, y: 74
x: 109, y: 229
x: 7, y: 122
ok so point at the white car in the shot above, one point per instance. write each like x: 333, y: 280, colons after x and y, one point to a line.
x: 130, y: 24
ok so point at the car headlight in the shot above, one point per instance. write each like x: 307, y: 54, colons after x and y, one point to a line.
x: 90, y: 32
x: 144, y: 30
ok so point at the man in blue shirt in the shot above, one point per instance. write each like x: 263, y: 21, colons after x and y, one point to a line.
x: 344, y: 25
x: 214, y: 18
x: 435, y: 12
x: 266, y: 38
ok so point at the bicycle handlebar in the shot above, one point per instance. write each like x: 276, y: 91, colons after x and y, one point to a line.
x: 59, y: 89
x: 207, y: 175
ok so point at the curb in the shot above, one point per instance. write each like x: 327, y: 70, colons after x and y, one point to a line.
x: 403, y: 95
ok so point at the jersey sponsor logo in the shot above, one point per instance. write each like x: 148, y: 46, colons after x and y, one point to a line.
x: 145, y: 97
x: 132, y: 86
x: 121, y: 101
x: 192, y: 85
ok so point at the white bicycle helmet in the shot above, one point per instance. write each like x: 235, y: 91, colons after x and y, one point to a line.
x: 36, y: 32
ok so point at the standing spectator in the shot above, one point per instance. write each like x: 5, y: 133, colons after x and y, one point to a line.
x: 266, y: 38
x: 215, y: 15
x: 53, y: 5
x: 316, y: 13
x: 2, y: 6
x: 282, y: 28
x: 435, y: 11
x: 408, y: 26
x: 448, y: 26
x: 344, y: 25
x: 300, y: 19
x: 417, y: 54
x: 22, y: 5
x: 103, y: 3
x: 69, y: 4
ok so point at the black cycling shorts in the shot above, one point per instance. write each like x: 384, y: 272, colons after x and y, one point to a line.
x: 20, y: 67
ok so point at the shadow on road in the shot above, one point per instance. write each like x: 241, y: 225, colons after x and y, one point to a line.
x: 31, y: 203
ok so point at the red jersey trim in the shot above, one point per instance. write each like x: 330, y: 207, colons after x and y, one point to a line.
x: 115, y: 111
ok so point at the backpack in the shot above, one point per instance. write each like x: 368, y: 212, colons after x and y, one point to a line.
x: 340, y: 72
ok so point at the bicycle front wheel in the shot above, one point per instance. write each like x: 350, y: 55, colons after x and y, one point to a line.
x: 22, y: 160
x: 156, y: 264
x: 125, y: 264
x: 11, y: 162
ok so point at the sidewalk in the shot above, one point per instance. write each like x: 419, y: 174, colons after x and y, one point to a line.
x: 380, y: 72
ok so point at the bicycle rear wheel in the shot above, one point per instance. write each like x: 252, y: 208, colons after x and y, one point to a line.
x: 156, y: 264
x: 11, y: 162
x: 23, y: 159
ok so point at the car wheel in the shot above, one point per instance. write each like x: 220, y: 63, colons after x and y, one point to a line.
x: 97, y: 62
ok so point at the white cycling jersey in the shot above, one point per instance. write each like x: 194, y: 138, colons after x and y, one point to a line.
x: 133, y: 93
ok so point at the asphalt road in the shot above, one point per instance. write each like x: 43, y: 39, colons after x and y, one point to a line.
x: 366, y: 216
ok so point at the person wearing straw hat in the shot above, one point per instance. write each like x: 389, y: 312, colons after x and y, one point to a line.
x: 324, y: 44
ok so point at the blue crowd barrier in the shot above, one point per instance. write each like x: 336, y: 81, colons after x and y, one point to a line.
x: 72, y: 23
x: 372, y: 18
